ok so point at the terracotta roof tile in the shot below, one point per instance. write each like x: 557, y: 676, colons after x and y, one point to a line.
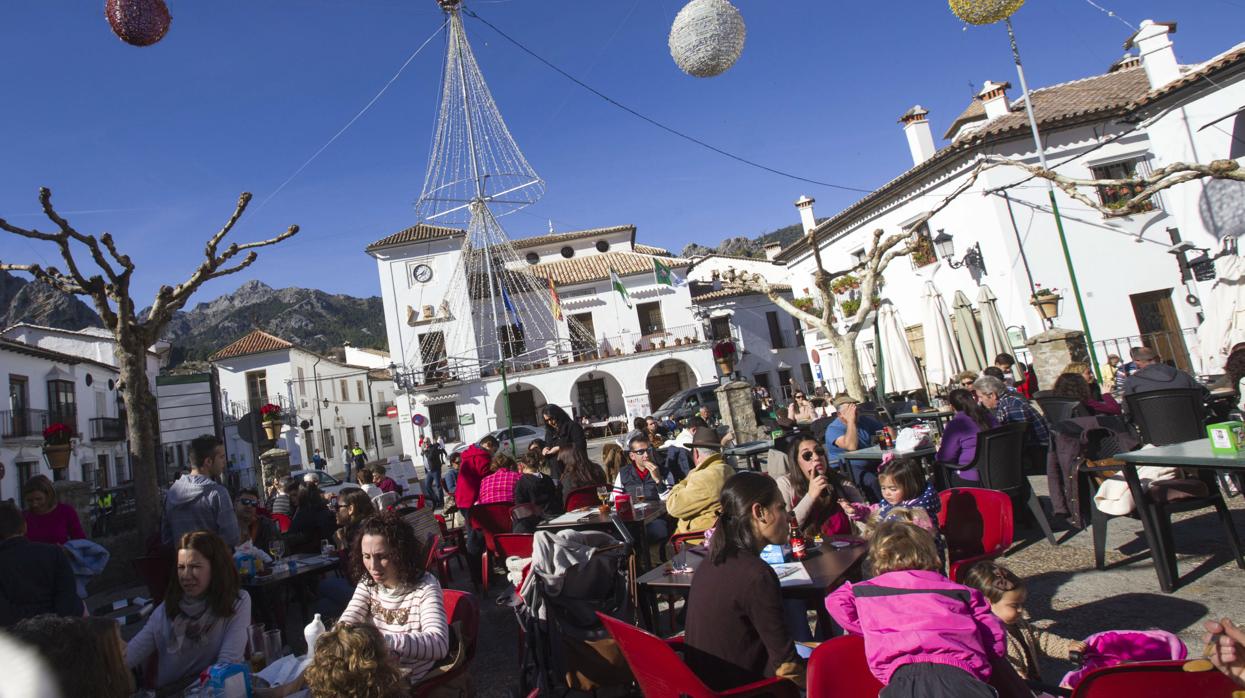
x: 723, y: 293
x: 416, y: 233
x: 975, y: 111
x: 256, y: 342
x: 649, y: 249
x: 573, y: 235
x: 1214, y: 65
x: 596, y: 267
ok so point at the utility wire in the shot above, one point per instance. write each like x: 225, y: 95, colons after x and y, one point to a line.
x: 669, y: 129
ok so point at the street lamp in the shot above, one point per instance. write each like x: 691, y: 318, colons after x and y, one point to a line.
x: 944, y: 245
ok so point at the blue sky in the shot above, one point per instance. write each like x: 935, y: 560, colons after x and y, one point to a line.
x: 155, y: 144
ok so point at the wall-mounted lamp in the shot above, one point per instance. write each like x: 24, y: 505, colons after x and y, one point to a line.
x: 944, y: 245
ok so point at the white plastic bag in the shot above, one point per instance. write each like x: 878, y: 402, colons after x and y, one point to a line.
x: 913, y: 437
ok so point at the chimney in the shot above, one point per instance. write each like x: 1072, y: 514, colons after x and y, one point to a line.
x: 920, y: 139
x: 805, y: 206
x: 1126, y: 62
x: 772, y: 250
x: 993, y: 97
x: 1157, y: 56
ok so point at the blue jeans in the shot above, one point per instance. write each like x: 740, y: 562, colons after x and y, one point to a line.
x: 432, y: 487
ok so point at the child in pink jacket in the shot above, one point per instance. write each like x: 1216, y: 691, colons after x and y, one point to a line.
x: 924, y: 634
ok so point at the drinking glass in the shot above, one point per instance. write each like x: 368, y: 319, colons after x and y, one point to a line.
x: 326, y: 548
x: 272, y: 645
x: 637, y: 494
x: 603, y: 494
x: 277, y: 548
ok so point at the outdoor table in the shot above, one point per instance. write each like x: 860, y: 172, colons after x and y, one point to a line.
x: 875, y: 453
x: 636, y: 521
x: 827, y: 568
x: 935, y: 417
x: 1187, y: 454
x: 264, y: 588
x: 751, y: 450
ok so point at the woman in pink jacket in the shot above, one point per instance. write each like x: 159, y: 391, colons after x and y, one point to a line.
x: 924, y: 634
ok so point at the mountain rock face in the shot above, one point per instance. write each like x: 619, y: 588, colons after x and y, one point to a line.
x: 741, y: 246
x: 40, y: 304
x: 312, y: 319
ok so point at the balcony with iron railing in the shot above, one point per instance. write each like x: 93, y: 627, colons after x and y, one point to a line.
x: 23, y: 424
x: 452, y: 370
x: 108, y: 429
x: 234, y: 410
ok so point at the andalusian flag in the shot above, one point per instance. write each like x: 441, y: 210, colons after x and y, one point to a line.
x: 555, y: 303
x: 662, y: 274
x: 618, y: 286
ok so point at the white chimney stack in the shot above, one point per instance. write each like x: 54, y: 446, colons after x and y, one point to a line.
x: 920, y: 139
x: 993, y: 97
x: 772, y: 250
x: 805, y: 206
x: 1157, y: 56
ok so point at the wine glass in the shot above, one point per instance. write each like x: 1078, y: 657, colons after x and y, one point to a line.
x: 603, y: 494
x: 277, y: 548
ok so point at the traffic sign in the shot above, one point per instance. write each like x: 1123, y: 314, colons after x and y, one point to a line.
x: 815, y: 356
x: 419, y: 420
x: 392, y: 411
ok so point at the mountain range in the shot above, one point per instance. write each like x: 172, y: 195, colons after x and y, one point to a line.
x: 310, y: 318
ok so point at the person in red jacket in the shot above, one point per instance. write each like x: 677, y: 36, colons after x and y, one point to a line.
x: 476, y: 464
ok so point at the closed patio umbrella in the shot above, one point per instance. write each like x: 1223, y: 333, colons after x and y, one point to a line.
x: 942, y: 355
x: 993, y: 332
x: 898, y: 366
x: 1224, y: 326
x: 969, y: 336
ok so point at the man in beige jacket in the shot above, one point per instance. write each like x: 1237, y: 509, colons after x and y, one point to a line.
x: 694, y: 500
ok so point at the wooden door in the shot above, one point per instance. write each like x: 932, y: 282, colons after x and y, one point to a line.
x: 1159, y: 328
x: 522, y: 408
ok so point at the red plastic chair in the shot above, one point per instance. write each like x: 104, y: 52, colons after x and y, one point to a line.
x: 491, y: 520
x: 460, y: 606
x: 1153, y: 680
x: 283, y: 522
x: 838, y: 669
x: 977, y: 525
x: 660, y: 672
x: 582, y: 497
x: 516, y: 545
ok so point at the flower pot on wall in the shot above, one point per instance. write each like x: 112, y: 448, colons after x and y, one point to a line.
x: 273, y: 429
x: 726, y: 366
x: 1047, y: 306
x: 57, y: 455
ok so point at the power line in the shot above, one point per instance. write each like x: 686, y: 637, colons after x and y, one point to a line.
x: 669, y: 129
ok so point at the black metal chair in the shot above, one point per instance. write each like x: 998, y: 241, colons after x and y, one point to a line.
x: 1056, y: 408
x: 1165, y: 417
x: 998, y: 461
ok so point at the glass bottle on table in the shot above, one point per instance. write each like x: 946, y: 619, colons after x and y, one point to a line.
x: 798, y: 551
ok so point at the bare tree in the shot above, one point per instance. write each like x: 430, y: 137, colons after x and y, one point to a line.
x: 107, y: 284
x: 842, y: 333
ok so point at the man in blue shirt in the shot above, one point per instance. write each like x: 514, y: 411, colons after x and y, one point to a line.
x: 848, y: 432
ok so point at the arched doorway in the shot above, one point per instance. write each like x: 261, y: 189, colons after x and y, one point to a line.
x: 525, y: 403
x: 666, y: 378
x: 598, y: 396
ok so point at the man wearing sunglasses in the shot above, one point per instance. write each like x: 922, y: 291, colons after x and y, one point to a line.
x: 252, y: 526
x: 643, y: 473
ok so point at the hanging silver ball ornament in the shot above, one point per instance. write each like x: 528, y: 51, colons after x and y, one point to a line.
x: 138, y: 22
x: 1222, y: 207
x: 984, y: 11
x: 707, y: 37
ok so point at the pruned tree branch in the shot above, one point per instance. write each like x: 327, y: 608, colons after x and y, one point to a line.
x: 1151, y: 184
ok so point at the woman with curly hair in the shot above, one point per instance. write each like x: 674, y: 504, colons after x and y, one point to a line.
x: 396, y: 595
x: 1096, y: 401
x: 352, y: 661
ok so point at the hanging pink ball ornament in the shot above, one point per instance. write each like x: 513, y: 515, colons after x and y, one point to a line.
x: 138, y: 22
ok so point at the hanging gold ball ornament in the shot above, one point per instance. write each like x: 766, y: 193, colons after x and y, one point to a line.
x: 984, y: 11
x: 707, y: 37
x: 138, y: 22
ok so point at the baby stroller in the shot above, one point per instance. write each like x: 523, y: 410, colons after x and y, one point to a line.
x: 573, y: 575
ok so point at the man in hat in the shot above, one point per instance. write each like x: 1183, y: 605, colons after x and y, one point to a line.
x: 694, y: 500
x: 850, y: 431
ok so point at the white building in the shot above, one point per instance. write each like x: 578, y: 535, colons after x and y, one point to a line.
x: 1139, y: 116
x: 47, y: 387
x: 94, y: 343
x: 627, y: 362
x: 326, y: 404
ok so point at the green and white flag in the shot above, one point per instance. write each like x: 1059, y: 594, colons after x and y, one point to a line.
x: 618, y: 286
x: 662, y: 274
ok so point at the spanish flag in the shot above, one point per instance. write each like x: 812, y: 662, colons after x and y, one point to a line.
x: 555, y: 304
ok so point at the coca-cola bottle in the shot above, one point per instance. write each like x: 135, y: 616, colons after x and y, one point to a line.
x: 798, y: 552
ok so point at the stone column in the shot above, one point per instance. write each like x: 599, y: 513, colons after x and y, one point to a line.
x: 1054, y: 349
x: 735, y: 404
x: 275, y: 466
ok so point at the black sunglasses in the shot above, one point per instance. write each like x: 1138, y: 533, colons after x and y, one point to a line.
x: 638, y: 450
x: 808, y: 455
x: 248, y: 502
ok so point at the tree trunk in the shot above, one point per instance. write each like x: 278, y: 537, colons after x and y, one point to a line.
x: 849, y: 359
x: 141, y: 427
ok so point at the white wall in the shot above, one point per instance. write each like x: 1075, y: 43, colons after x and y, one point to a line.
x: 92, y: 343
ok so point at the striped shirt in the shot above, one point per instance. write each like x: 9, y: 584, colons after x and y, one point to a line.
x: 411, y: 620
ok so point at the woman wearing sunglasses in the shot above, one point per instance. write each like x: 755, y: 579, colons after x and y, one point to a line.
x: 812, y: 491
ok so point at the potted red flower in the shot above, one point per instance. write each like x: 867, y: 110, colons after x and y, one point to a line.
x: 56, y: 444
x: 724, y: 355
x: 271, y: 416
